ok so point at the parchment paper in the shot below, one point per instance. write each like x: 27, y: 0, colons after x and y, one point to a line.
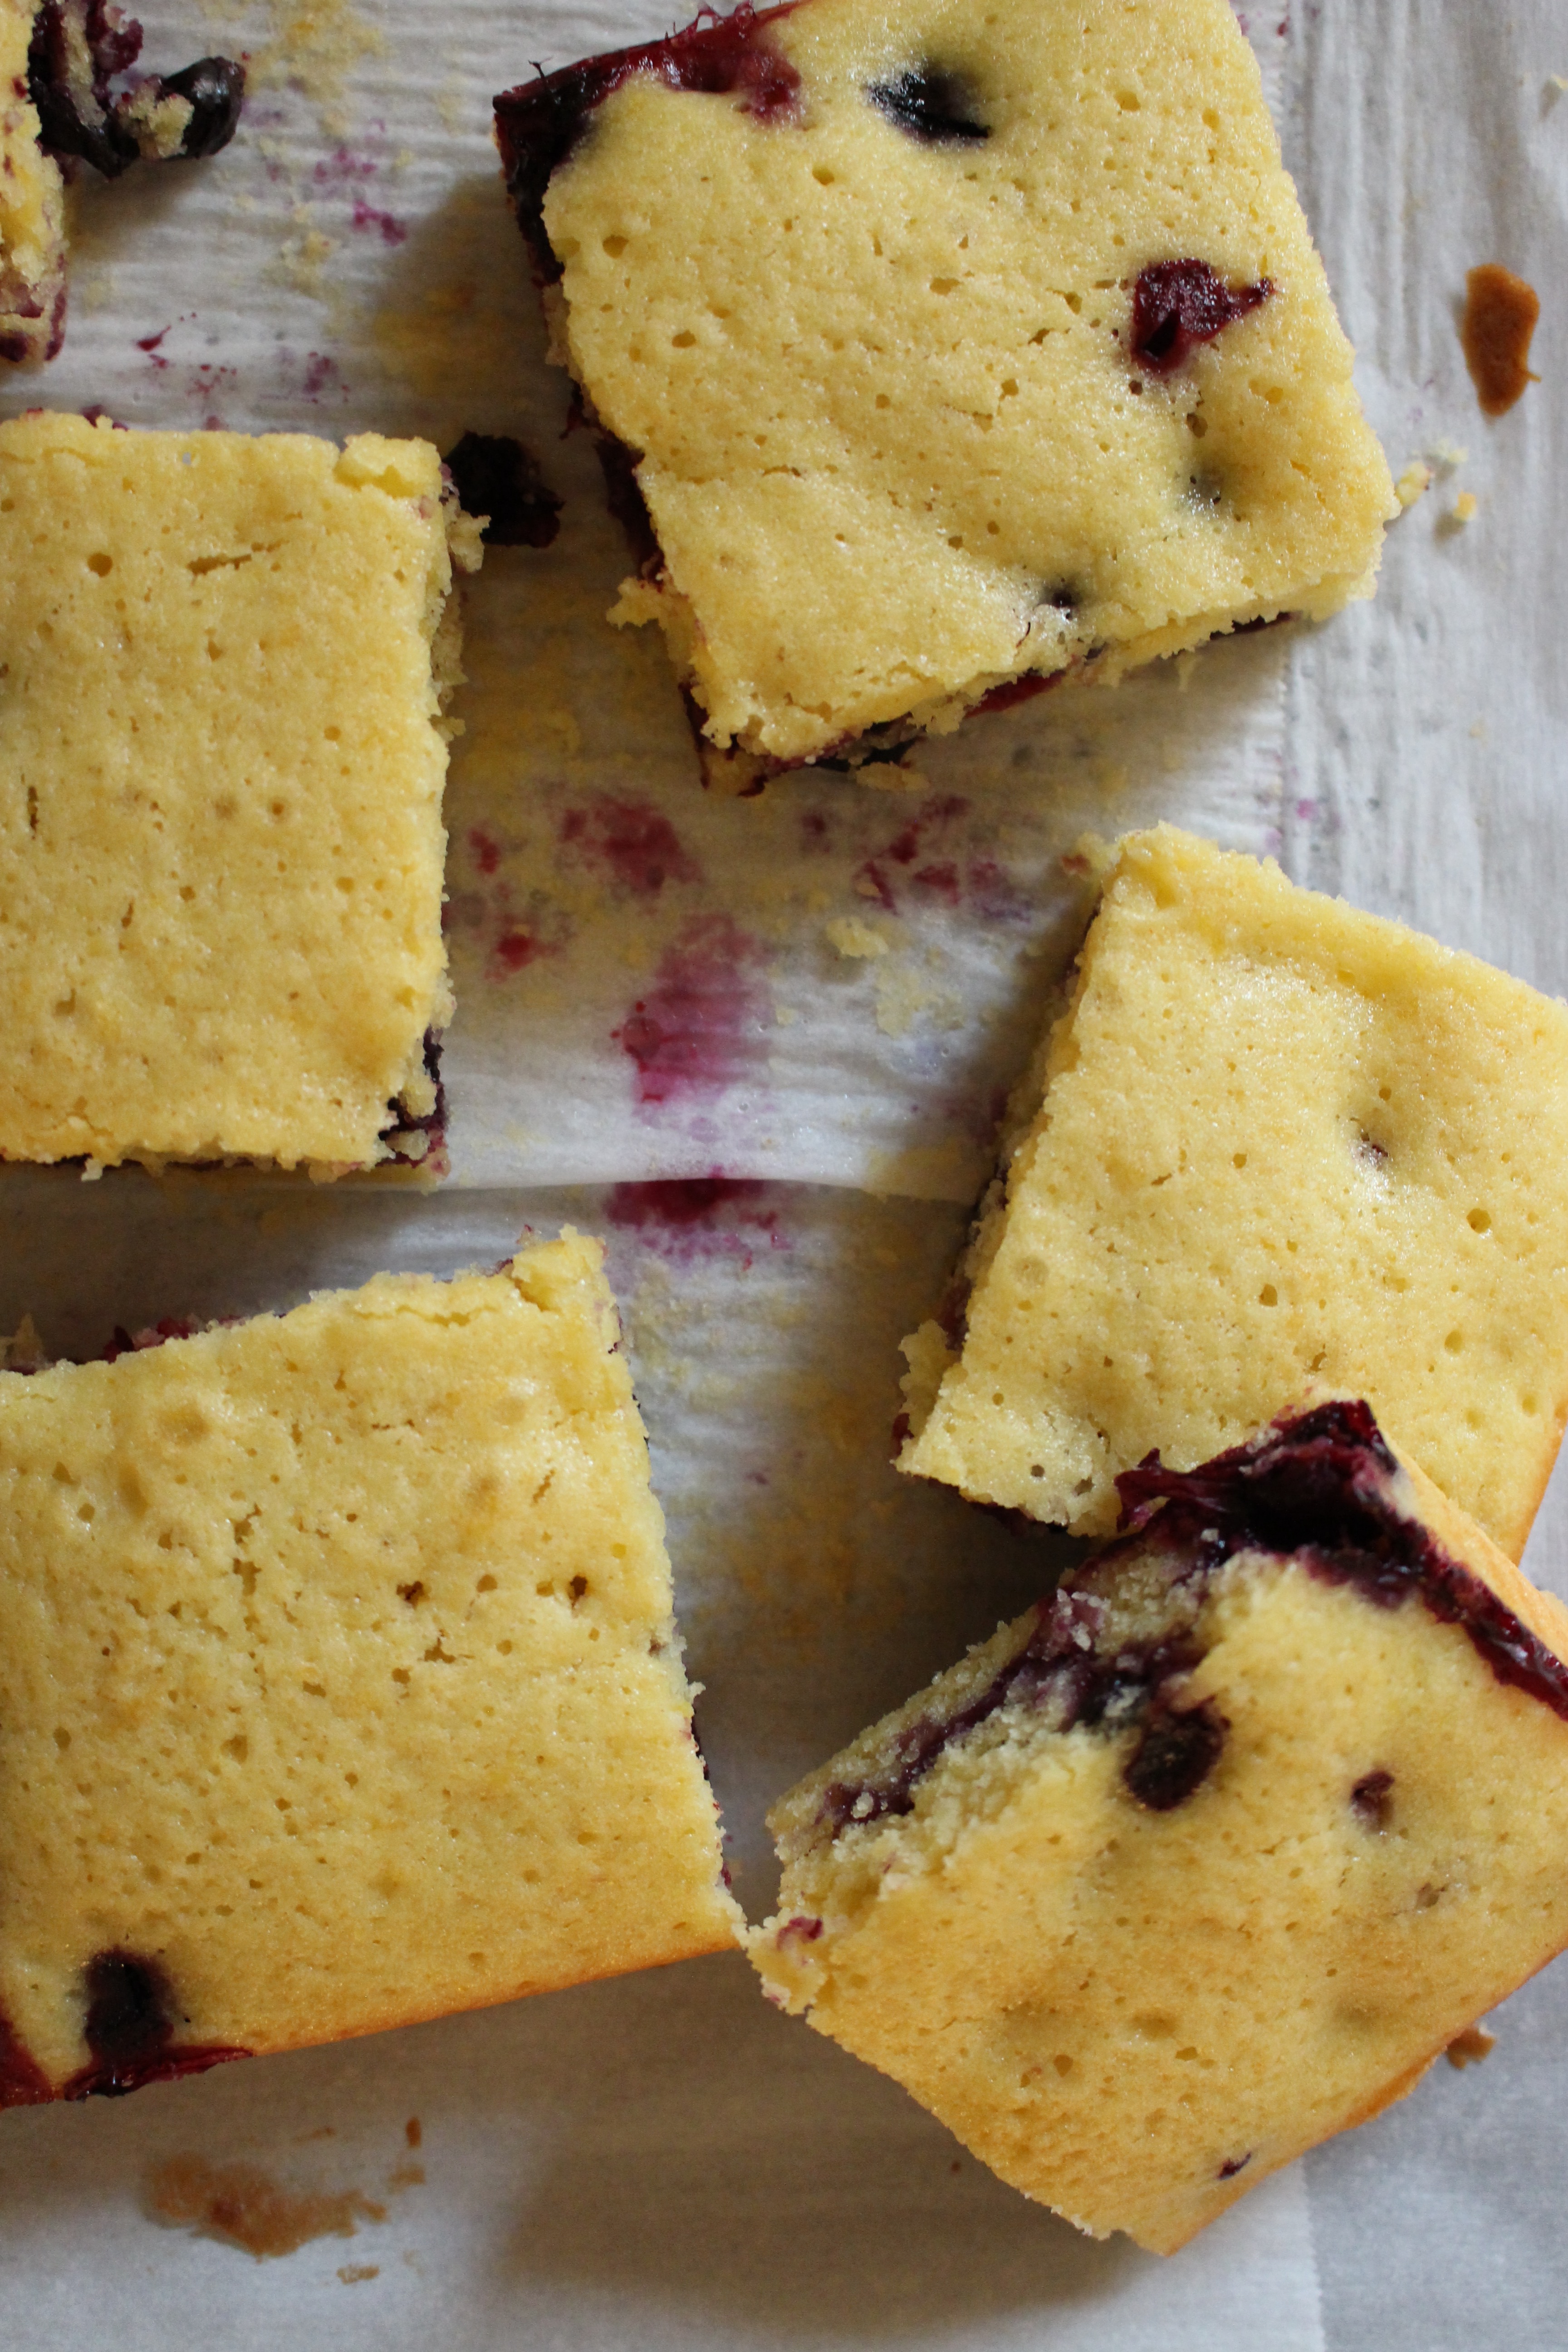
x: 849, y: 980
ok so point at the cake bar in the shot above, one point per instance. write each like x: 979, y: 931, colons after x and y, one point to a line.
x: 222, y: 662
x: 1271, y: 1139
x: 339, y: 1683
x: 58, y: 60
x: 1210, y: 1854
x: 946, y: 357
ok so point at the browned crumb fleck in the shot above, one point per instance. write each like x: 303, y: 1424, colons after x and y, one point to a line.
x: 241, y: 2205
x: 1467, y: 2049
x: 413, y: 2131
x: 353, y: 2272
x: 406, y: 2175
x: 1500, y: 312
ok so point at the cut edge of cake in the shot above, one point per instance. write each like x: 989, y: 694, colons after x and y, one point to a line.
x: 1426, y: 1550
x: 130, y: 2003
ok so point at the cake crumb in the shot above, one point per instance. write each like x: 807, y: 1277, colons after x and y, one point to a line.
x: 1501, y: 314
x: 1413, y: 483
x: 354, y: 2274
x: 1464, y: 508
x: 854, y: 936
x: 24, y: 1351
x: 892, y: 776
x: 1467, y: 2049
x: 242, y: 2206
x: 1448, y: 456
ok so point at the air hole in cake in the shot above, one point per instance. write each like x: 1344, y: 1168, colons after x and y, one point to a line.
x: 1372, y: 1800
x: 929, y: 104
x: 1177, y: 305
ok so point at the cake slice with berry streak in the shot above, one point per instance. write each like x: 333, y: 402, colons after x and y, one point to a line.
x: 1213, y: 1853
x: 1272, y: 1138
x: 60, y: 61
x: 940, y: 358
x: 339, y: 1682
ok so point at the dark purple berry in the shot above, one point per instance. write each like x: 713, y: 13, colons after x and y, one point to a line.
x: 1372, y: 1800
x: 1176, y: 305
x: 1175, y: 1754
x: 930, y: 105
x: 216, y: 88
x: 496, y: 475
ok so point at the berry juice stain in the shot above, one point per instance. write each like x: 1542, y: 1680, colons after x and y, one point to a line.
x: 695, y: 1032
x: 635, y: 844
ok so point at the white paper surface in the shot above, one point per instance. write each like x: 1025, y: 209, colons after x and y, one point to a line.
x: 665, y: 2161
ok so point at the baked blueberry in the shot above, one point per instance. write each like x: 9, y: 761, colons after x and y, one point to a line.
x: 895, y: 320
x: 1097, y: 1897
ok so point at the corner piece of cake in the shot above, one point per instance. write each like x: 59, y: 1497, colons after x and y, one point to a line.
x: 1213, y: 1853
x: 1271, y: 1139
x: 223, y: 667
x: 941, y: 357
x: 339, y: 1682
x: 59, y: 62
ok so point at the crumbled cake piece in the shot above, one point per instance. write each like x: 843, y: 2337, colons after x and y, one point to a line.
x: 339, y: 1684
x: 58, y: 60
x: 32, y: 208
x: 222, y: 756
x: 1501, y: 315
x: 1209, y: 1855
x: 1271, y: 1139
x: 954, y: 356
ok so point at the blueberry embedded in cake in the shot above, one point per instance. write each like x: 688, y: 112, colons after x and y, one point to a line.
x: 1212, y: 1853
x: 1272, y: 1140
x: 954, y: 357
x: 223, y: 667
x: 59, y: 63
x: 339, y: 1683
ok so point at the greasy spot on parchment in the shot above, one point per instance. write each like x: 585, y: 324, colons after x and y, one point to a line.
x: 700, y: 1027
x: 243, y: 2206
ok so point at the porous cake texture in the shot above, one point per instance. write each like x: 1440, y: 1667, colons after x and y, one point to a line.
x: 339, y: 1683
x: 1271, y: 1139
x: 1210, y: 1854
x: 956, y: 355
x: 32, y: 208
x: 223, y: 664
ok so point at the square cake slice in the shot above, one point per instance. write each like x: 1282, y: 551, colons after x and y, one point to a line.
x: 1272, y: 1140
x: 223, y: 663
x: 948, y: 354
x: 339, y: 1683
x: 59, y: 62
x: 1210, y: 1854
